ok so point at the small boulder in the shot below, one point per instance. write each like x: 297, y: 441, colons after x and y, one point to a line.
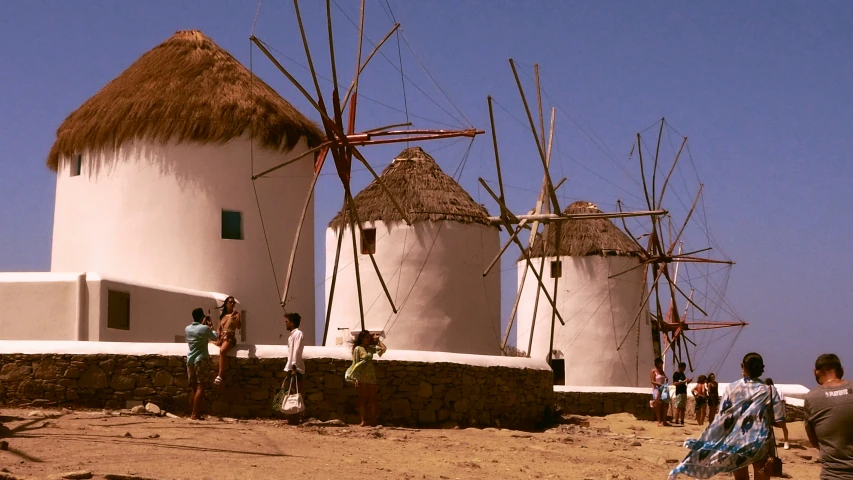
x: 153, y: 408
x: 82, y: 474
x: 138, y: 410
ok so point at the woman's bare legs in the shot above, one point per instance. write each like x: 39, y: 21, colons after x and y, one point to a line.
x: 363, y: 394
x: 371, y: 402
x: 223, y: 358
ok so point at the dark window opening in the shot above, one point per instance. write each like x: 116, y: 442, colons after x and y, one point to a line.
x: 232, y: 225
x: 118, y: 310
x: 368, y: 241
x: 558, y: 366
x: 556, y: 269
x: 76, y: 164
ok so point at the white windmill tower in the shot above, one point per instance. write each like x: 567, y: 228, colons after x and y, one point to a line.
x: 153, y: 181
x: 433, y: 266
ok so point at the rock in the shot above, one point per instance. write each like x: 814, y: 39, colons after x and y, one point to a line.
x: 4, y: 445
x: 122, y: 382
x: 636, y: 443
x: 35, y: 413
x: 127, y: 435
x: 804, y: 456
x: 425, y: 390
x: 116, y: 476
x: 163, y: 379
x: 171, y: 415
x: 82, y: 474
x: 138, y: 409
x: 317, y: 423
x: 7, y: 476
x: 153, y: 408
x: 13, y: 372
x: 94, y: 378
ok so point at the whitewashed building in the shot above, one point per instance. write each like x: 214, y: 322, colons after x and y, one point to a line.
x: 154, y: 187
x: 433, y: 268
x: 600, y: 344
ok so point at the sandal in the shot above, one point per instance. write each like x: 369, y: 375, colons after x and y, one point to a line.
x: 218, y: 380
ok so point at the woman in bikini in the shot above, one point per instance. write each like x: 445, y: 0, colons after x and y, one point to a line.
x: 659, y: 380
x: 229, y: 322
x: 700, y: 395
x: 713, y: 397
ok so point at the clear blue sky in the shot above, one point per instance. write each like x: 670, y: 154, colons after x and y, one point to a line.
x: 763, y: 90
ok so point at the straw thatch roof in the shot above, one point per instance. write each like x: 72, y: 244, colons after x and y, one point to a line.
x: 421, y: 189
x: 185, y: 89
x: 580, y: 238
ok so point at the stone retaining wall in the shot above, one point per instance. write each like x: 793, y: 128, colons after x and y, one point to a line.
x: 636, y: 403
x: 412, y: 393
x: 605, y: 403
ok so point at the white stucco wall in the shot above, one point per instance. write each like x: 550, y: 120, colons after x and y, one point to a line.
x: 42, y: 306
x: 598, y: 312
x: 151, y: 214
x: 74, y: 306
x: 434, y: 271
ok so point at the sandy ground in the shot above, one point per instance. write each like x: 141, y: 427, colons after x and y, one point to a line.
x: 44, y: 443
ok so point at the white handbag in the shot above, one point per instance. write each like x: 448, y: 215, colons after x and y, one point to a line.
x: 292, y: 402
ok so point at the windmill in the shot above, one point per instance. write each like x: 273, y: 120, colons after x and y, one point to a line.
x: 661, y: 262
x: 342, y: 141
x: 659, y: 257
x: 546, y: 213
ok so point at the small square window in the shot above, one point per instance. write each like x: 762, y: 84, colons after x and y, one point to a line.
x: 232, y: 225
x: 118, y: 310
x: 368, y: 241
x: 556, y: 269
x: 76, y: 164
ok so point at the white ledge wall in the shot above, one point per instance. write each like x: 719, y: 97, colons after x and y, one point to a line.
x: 260, y: 351
x: 151, y: 214
x: 599, y: 313
x: 73, y: 306
x: 434, y: 271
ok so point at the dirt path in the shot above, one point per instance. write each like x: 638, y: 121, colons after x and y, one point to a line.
x: 617, y: 446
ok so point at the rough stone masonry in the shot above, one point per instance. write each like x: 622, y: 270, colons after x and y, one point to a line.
x: 411, y: 393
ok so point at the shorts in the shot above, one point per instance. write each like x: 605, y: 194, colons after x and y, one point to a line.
x: 230, y: 337
x: 700, y: 403
x: 200, y: 371
x: 681, y: 400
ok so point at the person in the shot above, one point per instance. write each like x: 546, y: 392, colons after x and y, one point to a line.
x: 659, y: 383
x: 295, y: 366
x: 828, y: 410
x: 713, y: 397
x: 769, y: 381
x: 363, y: 374
x: 680, y: 380
x: 700, y: 397
x: 741, y: 435
x: 229, y: 322
x: 199, y: 366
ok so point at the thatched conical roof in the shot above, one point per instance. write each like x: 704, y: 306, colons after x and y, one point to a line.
x: 185, y: 89
x: 421, y: 188
x: 580, y: 238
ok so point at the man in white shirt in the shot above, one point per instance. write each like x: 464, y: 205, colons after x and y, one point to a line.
x: 295, y: 366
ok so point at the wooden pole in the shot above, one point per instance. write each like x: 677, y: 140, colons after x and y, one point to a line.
x: 369, y: 57
x: 655, y: 169
x: 514, y: 310
x: 351, y: 203
x: 334, y: 280
x: 292, y: 260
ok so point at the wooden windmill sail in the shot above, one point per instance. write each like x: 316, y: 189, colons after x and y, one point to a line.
x: 342, y: 141
x: 661, y: 262
x: 547, y: 213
